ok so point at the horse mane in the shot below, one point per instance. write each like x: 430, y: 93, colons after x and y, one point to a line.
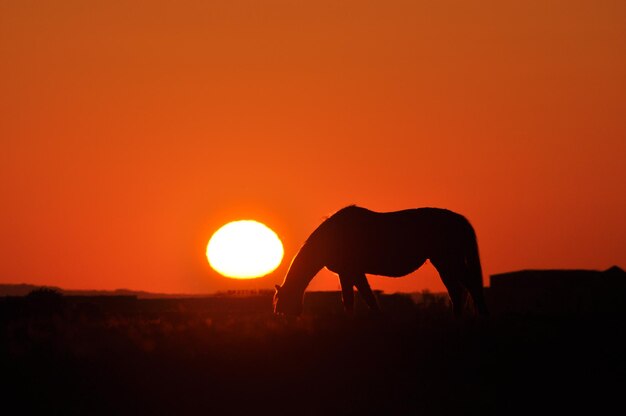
x: 327, y: 223
x: 344, y: 209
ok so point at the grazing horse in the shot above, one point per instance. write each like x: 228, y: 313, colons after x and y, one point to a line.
x: 355, y: 241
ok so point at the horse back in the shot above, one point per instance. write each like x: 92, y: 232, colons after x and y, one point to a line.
x: 406, y: 226
x: 392, y: 243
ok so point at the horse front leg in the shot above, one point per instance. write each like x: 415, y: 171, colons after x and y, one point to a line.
x: 361, y: 283
x: 347, y: 292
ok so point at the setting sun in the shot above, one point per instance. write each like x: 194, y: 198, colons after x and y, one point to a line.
x: 244, y: 249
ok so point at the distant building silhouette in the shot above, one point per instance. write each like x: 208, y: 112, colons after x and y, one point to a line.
x: 559, y: 291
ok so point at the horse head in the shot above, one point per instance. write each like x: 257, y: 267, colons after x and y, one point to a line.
x: 287, y: 302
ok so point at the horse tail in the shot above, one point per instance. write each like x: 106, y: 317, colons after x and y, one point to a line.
x: 475, y: 271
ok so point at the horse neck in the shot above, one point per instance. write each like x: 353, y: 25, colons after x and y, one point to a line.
x: 303, y: 269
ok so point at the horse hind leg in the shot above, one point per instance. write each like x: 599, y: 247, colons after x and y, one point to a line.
x: 470, y: 277
x: 458, y: 297
x: 451, y: 274
x: 474, y: 285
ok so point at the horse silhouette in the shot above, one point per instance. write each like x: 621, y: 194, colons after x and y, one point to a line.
x: 356, y: 241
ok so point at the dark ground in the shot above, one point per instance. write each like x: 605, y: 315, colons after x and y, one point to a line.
x: 221, y: 356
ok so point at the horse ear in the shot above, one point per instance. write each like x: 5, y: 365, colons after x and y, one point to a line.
x: 277, y: 287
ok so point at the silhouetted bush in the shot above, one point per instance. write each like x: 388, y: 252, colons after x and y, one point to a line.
x: 45, y: 294
x: 45, y: 302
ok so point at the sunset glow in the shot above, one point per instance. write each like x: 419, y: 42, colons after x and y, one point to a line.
x: 244, y: 250
x: 131, y: 131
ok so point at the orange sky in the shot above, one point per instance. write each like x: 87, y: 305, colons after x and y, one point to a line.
x: 131, y: 131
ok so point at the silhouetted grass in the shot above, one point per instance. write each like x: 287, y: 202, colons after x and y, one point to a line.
x: 232, y: 356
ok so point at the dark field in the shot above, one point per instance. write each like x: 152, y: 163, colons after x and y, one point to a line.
x: 229, y: 355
